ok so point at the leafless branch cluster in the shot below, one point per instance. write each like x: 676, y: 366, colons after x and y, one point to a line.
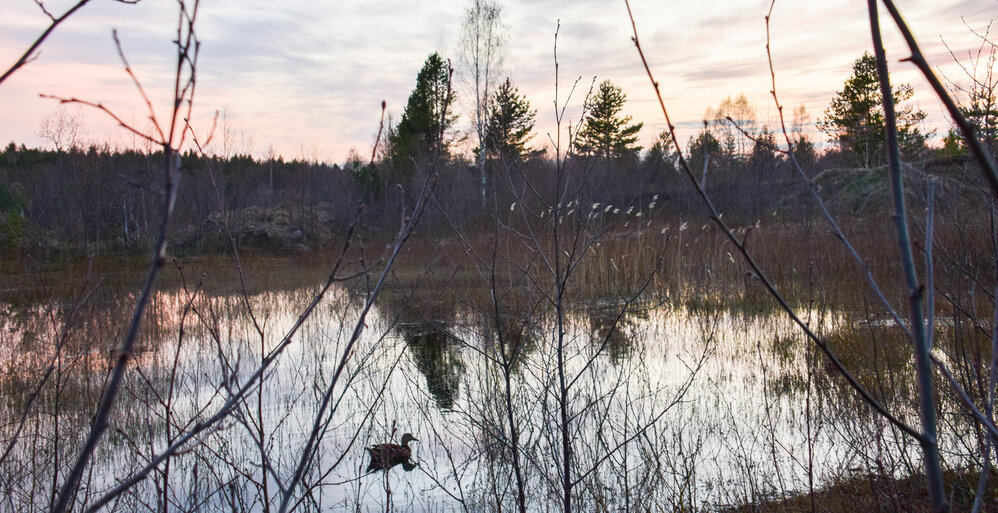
x: 177, y: 423
x: 915, y: 327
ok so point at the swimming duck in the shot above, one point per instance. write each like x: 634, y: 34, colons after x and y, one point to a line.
x: 386, y: 456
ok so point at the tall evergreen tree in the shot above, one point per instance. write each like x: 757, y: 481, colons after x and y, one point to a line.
x: 855, y: 117
x: 427, y: 116
x: 510, y: 122
x: 606, y: 133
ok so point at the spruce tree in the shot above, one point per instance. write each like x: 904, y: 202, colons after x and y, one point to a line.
x: 422, y: 130
x: 510, y: 122
x: 606, y: 133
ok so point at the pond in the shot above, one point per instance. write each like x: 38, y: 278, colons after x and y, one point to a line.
x: 669, y: 405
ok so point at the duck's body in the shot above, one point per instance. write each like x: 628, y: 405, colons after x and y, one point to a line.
x: 386, y: 456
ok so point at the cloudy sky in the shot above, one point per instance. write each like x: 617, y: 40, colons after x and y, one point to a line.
x: 306, y: 78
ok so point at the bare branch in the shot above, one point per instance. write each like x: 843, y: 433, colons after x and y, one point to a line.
x: 984, y: 159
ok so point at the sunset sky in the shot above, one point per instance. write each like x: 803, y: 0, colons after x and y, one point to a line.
x: 306, y: 79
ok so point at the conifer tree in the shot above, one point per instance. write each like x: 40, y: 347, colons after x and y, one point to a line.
x: 606, y: 133
x: 427, y: 116
x: 510, y: 122
x: 703, y: 148
x: 855, y: 117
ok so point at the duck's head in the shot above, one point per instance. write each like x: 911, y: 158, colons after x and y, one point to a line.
x: 406, y: 438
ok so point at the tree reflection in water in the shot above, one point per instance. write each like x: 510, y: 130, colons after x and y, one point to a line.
x: 617, y: 331
x: 437, y: 355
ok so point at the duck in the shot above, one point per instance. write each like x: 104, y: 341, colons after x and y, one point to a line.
x: 387, y: 455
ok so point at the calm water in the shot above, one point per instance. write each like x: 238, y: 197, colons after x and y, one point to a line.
x: 669, y: 407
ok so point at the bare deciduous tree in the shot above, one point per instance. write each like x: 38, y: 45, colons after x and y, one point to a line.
x: 482, y: 54
x: 62, y: 128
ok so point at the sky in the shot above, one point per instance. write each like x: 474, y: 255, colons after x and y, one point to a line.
x: 305, y: 79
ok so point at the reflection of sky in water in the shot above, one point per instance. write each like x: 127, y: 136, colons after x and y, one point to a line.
x: 731, y: 436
